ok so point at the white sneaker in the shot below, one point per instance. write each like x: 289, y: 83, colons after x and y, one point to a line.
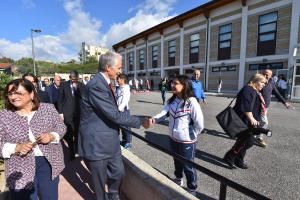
x: 178, y: 181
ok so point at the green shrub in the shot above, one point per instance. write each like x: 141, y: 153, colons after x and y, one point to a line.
x: 4, y: 79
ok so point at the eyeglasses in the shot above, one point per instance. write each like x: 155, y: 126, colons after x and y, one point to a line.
x: 18, y: 94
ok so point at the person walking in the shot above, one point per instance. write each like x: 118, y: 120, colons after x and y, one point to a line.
x: 68, y: 105
x: 30, y: 134
x: 186, y: 122
x: 123, y: 98
x: 53, y: 90
x: 42, y: 94
x: 98, y: 141
x: 282, y: 85
x: 267, y: 92
x: 197, y: 86
x: 163, y: 89
x: 250, y: 106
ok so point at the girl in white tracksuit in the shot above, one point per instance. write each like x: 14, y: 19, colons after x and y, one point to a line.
x: 185, y: 123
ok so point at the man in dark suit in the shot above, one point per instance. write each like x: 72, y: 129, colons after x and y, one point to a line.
x: 98, y: 141
x: 53, y: 90
x: 68, y: 105
x: 43, y: 96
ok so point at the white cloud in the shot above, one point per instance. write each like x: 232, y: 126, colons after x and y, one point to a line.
x: 82, y: 27
x: 28, y: 3
x: 149, y: 14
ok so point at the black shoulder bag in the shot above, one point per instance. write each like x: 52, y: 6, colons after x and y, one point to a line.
x: 231, y: 122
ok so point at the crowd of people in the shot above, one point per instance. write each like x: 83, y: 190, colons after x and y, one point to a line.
x: 89, y: 115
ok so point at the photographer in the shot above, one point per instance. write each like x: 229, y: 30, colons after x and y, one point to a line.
x: 250, y: 105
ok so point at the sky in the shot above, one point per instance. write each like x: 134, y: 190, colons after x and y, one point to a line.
x: 65, y: 24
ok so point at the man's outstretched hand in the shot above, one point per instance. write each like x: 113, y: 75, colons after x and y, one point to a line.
x: 147, y: 122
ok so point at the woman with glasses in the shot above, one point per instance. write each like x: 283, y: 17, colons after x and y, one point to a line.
x: 185, y: 123
x: 30, y: 134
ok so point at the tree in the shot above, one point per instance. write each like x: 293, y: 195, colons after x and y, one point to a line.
x: 6, y: 60
x: 91, y: 59
x: 4, y: 79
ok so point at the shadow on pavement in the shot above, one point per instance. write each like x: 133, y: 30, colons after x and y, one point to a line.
x: 215, y: 160
x: 216, y: 133
x: 77, y: 175
x: 142, y: 101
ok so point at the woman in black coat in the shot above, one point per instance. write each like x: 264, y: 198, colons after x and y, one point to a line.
x: 250, y: 105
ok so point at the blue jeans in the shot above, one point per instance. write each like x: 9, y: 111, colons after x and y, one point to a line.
x: 44, y: 186
x: 187, y: 151
x: 163, y: 96
x: 126, y: 132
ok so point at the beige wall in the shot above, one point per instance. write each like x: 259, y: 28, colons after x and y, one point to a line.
x: 235, y: 40
x: 177, y: 53
x: 186, y: 46
x: 229, y: 79
x: 248, y: 73
x: 150, y: 55
x: 283, y: 31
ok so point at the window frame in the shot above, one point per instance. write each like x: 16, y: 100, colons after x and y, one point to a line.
x: 142, y: 64
x: 194, y: 57
x: 171, y: 60
x: 266, y: 47
x: 224, y: 53
x: 154, y: 57
x: 130, y: 61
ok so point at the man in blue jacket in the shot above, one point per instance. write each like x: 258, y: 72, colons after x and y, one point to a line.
x: 197, y: 86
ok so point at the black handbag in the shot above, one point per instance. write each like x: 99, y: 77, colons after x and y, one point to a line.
x: 231, y: 122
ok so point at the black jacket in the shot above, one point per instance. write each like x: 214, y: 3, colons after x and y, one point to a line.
x: 68, y: 104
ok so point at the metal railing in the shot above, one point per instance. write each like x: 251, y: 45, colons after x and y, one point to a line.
x: 224, y: 182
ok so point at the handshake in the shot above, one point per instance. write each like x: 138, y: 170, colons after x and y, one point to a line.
x: 147, y: 122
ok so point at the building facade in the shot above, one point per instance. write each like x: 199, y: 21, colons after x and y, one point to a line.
x: 227, y: 40
x: 6, y: 68
x: 88, y: 51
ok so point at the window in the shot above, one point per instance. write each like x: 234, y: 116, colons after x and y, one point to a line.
x: 172, y: 52
x: 264, y: 66
x: 225, y: 34
x: 267, y: 27
x: 142, y: 59
x: 154, y: 56
x: 223, y: 68
x: 194, y: 48
x: 131, y: 61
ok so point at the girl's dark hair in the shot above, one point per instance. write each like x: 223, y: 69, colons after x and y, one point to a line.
x: 29, y: 87
x: 187, y: 90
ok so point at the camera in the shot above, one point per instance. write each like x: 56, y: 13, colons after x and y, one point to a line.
x: 259, y: 130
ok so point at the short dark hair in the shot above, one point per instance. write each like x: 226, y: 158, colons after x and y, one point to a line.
x: 28, y: 86
x: 74, y: 73
x: 31, y: 75
x: 123, y: 76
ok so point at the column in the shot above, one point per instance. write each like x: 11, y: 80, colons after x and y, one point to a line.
x: 162, y: 72
x: 135, y: 59
x: 207, y: 48
x: 294, y: 30
x: 181, y: 51
x: 125, y: 60
x: 243, y: 46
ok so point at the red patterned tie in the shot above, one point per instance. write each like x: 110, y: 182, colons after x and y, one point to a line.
x: 112, y: 91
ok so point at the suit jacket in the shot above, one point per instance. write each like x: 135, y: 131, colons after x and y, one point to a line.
x: 53, y: 94
x: 68, y: 104
x: 44, y: 98
x: 100, y: 121
x: 20, y: 171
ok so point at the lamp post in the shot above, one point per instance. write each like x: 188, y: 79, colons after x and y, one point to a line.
x: 33, y: 54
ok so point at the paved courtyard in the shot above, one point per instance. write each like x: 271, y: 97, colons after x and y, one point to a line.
x: 273, y: 171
